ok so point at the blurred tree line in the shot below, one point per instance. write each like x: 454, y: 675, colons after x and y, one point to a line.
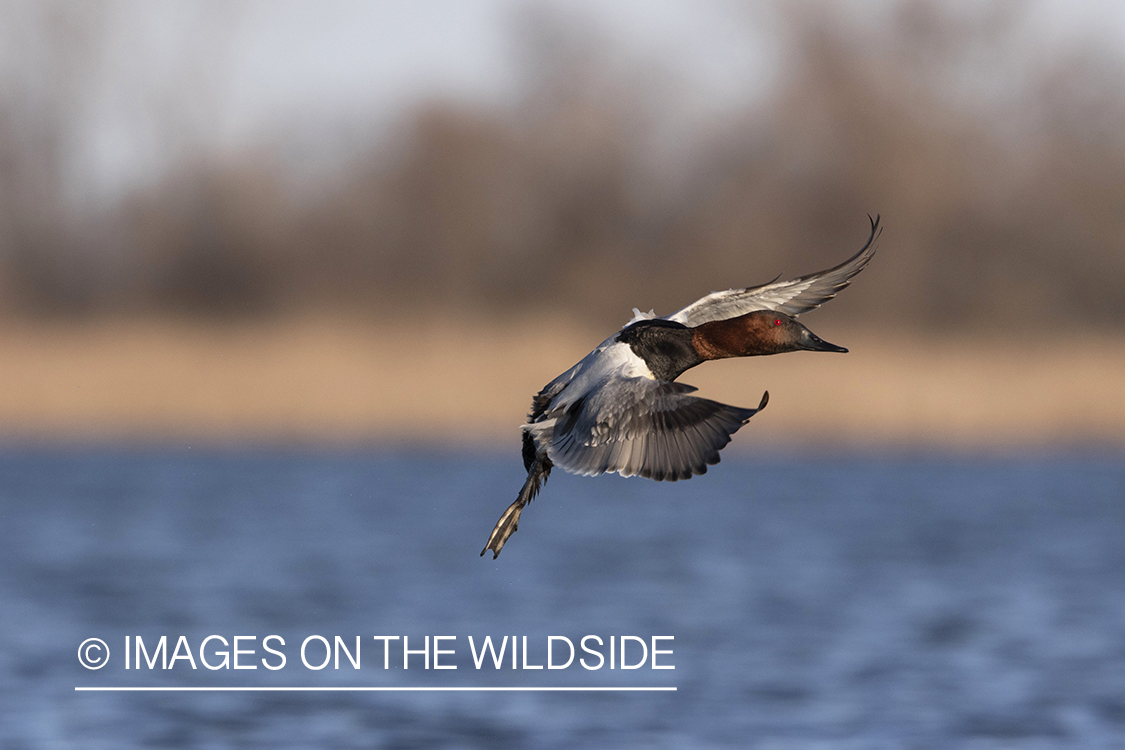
x: 1003, y: 198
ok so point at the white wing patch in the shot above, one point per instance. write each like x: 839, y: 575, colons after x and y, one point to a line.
x: 639, y: 316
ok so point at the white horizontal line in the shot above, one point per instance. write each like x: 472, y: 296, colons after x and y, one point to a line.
x: 373, y: 689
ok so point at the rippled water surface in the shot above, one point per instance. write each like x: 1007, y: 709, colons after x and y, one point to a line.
x: 839, y: 602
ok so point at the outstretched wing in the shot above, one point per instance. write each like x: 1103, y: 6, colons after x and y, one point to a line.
x: 640, y: 426
x: 791, y: 297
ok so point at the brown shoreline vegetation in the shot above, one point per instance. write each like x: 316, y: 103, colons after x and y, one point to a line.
x: 398, y: 291
x: 1001, y: 188
x: 455, y: 382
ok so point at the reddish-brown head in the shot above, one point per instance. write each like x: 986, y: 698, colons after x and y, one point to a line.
x: 756, y: 333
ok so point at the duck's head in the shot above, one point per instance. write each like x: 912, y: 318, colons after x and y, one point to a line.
x: 756, y: 333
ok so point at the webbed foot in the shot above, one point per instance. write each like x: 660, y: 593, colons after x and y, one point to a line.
x: 508, y: 524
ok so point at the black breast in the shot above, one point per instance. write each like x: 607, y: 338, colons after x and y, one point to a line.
x: 664, y: 345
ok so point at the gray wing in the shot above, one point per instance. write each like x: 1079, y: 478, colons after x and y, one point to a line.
x: 641, y: 426
x: 791, y: 297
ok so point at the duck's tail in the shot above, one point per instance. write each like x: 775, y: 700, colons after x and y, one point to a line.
x: 509, y: 522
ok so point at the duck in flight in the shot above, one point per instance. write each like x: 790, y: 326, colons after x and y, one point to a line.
x: 621, y: 409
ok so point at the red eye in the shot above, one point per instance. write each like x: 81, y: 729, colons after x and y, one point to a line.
x: 777, y: 322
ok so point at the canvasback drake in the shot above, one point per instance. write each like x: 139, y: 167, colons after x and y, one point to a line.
x: 620, y: 409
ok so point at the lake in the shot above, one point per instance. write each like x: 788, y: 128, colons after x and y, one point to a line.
x: 852, y: 601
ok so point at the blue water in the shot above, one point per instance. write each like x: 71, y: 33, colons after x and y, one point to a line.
x: 852, y: 602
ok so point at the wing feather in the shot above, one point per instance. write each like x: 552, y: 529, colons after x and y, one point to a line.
x: 638, y: 425
x: 791, y: 297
